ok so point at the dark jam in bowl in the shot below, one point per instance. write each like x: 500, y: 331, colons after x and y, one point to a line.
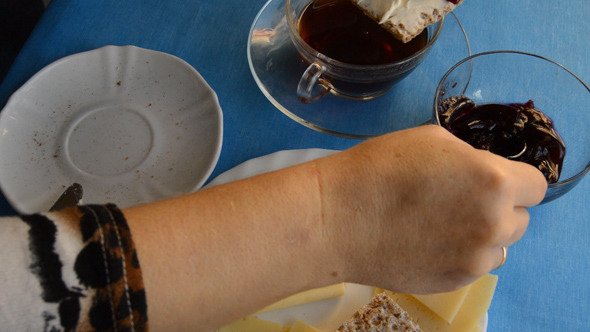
x: 516, y: 131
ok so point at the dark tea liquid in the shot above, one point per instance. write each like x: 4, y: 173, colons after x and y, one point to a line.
x: 340, y: 30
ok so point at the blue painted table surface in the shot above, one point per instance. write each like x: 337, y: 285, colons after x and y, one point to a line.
x: 543, y: 286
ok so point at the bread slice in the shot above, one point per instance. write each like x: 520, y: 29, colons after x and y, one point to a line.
x: 382, y: 314
x: 406, y: 19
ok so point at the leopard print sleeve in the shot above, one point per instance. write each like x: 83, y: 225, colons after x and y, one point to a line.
x: 73, y: 270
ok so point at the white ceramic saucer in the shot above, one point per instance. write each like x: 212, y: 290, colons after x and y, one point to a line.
x: 277, y: 67
x: 130, y: 125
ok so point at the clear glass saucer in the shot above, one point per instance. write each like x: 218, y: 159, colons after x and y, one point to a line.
x: 277, y: 68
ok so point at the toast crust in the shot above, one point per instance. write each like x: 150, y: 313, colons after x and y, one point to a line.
x: 382, y: 314
x: 405, y: 24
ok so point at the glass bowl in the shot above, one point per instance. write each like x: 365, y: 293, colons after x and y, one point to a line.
x: 504, y: 77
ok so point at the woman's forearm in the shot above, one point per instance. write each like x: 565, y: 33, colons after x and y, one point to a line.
x: 216, y: 255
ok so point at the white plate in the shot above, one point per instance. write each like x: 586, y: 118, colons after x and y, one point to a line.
x: 326, y: 315
x: 268, y: 163
x: 130, y: 125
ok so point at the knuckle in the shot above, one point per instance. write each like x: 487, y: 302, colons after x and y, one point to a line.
x: 496, y: 181
x: 476, y: 267
x: 494, y: 231
x: 487, y: 229
x: 470, y: 269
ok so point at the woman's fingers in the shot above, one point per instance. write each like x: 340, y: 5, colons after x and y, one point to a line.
x: 520, y: 223
x: 529, y: 183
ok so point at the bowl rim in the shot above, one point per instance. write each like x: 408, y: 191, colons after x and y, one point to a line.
x: 437, y: 94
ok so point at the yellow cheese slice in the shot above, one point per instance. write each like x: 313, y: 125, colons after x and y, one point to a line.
x: 446, y: 305
x: 253, y: 324
x: 301, y: 326
x: 477, y: 302
x: 311, y: 295
x: 475, y: 305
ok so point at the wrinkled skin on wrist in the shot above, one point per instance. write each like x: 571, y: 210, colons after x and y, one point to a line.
x: 420, y: 211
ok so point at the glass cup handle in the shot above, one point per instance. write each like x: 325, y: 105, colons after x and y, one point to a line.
x: 312, y: 86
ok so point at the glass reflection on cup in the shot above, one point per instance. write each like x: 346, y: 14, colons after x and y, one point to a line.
x: 362, y: 73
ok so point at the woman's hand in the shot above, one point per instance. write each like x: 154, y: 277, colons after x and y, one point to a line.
x: 420, y: 211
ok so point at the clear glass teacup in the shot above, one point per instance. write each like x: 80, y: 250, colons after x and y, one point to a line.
x: 357, y: 81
